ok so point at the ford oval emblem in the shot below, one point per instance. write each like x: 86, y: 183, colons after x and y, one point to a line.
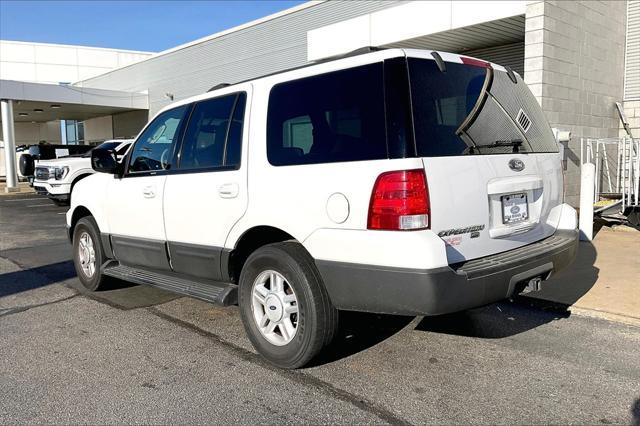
x: 515, y: 209
x: 273, y: 308
x: 516, y: 165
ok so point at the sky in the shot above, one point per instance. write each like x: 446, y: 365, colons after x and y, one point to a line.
x: 134, y: 25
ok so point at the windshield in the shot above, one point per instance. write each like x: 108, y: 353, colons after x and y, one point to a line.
x: 470, y: 110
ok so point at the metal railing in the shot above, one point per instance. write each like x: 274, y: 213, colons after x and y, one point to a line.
x: 617, y: 169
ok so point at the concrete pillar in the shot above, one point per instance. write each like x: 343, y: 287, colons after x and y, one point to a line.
x: 9, y: 137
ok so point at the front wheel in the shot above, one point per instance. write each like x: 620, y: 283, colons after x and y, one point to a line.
x: 88, y: 255
x: 284, y: 305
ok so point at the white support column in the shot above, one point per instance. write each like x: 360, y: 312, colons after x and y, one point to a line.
x: 9, y: 137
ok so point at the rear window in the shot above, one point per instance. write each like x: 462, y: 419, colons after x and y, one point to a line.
x: 332, y: 117
x: 446, y: 123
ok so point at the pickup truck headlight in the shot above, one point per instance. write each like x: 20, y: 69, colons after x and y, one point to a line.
x: 61, y: 172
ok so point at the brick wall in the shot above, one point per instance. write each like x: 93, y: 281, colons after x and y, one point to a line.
x: 574, y: 64
x: 632, y: 111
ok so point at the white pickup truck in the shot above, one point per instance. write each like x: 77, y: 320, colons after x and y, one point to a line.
x: 56, y: 178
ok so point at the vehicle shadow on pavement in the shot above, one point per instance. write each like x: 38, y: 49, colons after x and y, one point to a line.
x: 359, y: 331
x: 635, y: 412
x: 522, y: 313
x: 570, y: 284
x: 32, y: 278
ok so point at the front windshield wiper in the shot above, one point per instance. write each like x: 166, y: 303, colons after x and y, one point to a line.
x: 515, y: 143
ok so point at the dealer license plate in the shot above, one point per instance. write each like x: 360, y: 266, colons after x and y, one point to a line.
x: 514, y: 208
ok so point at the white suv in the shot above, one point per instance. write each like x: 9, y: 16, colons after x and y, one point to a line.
x: 56, y: 178
x: 399, y: 181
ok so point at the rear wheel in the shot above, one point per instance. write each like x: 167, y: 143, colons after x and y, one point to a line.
x: 284, y: 305
x: 88, y: 254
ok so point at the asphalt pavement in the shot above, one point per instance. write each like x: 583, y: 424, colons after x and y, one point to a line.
x: 134, y: 354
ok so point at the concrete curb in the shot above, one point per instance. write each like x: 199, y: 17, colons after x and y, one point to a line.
x: 609, y: 316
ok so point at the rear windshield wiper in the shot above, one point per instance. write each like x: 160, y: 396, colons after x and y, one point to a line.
x: 515, y: 143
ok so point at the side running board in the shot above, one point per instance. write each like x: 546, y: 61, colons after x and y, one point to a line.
x: 224, y: 294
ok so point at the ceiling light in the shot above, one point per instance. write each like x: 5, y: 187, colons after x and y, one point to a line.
x: 54, y: 106
x: 37, y: 110
x: 22, y: 114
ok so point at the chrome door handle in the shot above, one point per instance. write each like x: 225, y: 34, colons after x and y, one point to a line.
x: 228, y: 190
x: 148, y: 192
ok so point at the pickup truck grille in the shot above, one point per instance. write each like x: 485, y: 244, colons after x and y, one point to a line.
x: 42, y: 173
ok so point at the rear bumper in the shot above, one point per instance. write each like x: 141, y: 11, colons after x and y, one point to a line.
x: 404, y: 291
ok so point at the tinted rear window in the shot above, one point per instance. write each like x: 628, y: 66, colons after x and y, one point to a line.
x: 443, y: 101
x: 332, y: 117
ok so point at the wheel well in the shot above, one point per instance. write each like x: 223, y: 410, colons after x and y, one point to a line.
x: 76, y: 180
x: 249, y: 242
x: 78, y: 214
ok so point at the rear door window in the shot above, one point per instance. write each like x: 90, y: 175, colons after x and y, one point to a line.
x: 333, y: 117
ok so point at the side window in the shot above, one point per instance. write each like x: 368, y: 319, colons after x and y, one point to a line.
x: 332, y: 117
x: 154, y: 148
x: 213, y: 135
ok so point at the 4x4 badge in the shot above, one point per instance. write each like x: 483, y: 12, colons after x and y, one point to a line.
x: 516, y: 165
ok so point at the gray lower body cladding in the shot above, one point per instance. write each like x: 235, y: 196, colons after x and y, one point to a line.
x: 402, y: 291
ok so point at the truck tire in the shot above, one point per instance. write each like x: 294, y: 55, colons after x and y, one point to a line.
x: 27, y: 165
x: 284, y: 305
x: 88, y: 254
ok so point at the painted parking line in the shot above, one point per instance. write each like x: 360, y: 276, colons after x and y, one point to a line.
x: 22, y: 199
x: 40, y: 205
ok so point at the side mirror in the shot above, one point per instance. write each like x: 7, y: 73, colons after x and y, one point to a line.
x: 104, y: 161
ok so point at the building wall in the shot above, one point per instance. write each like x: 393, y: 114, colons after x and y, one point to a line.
x: 56, y: 63
x: 98, y: 129
x: 511, y: 55
x: 254, y: 50
x: 631, y: 102
x: 632, y: 59
x: 574, y: 64
x: 128, y: 124
x: 31, y: 133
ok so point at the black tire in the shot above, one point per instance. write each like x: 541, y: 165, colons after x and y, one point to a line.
x: 317, y: 319
x: 27, y: 165
x: 97, y: 280
x: 60, y: 203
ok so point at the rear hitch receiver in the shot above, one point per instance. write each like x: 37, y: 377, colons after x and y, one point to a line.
x: 534, y: 284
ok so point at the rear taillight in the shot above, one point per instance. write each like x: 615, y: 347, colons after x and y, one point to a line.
x: 400, y: 201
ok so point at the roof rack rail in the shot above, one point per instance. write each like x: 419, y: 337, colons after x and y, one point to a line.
x: 356, y: 52
x: 219, y: 86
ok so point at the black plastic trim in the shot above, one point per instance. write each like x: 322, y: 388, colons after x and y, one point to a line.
x: 402, y: 291
x: 222, y: 293
x: 511, y: 75
x: 106, y: 245
x: 439, y: 62
x: 140, y: 252
x: 196, y: 260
